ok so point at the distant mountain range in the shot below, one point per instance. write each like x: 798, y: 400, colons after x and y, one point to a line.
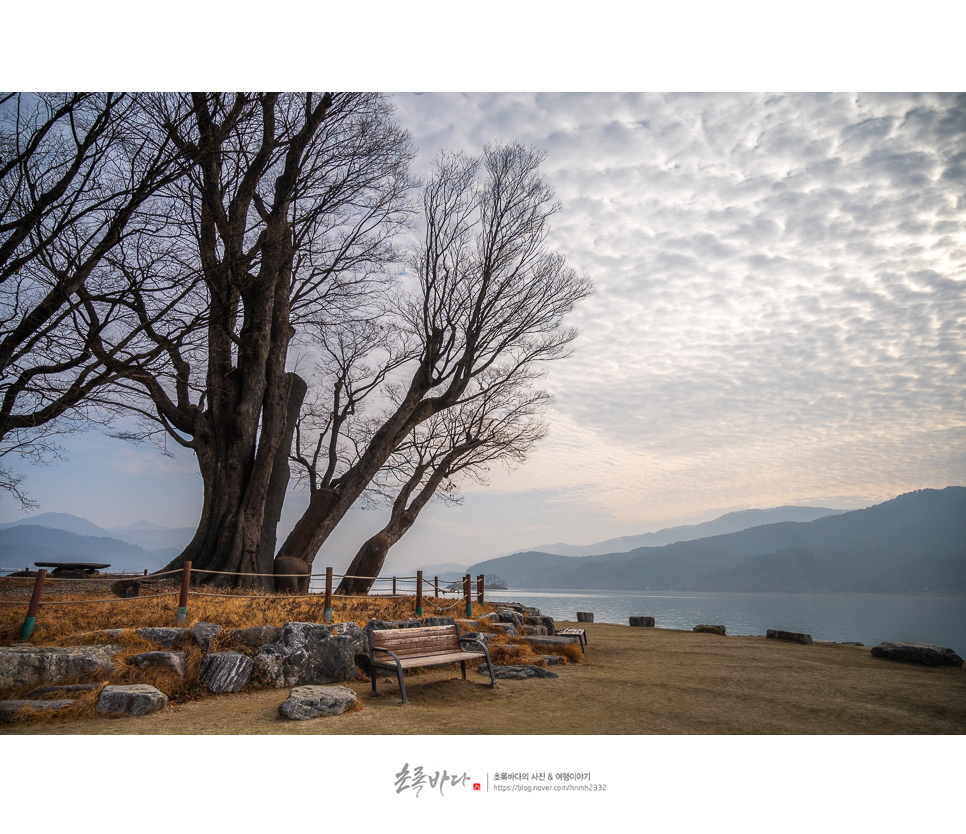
x: 914, y: 542
x: 730, y: 523
x: 61, y: 537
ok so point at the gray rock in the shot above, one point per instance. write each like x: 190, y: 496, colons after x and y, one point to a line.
x: 508, y: 628
x: 518, y: 672
x: 353, y: 632
x: 255, y: 636
x: 204, y: 634
x: 438, y: 621
x: 554, y: 641
x: 492, y: 617
x: 512, y: 617
x: 226, y: 671
x: 791, y: 636
x: 552, y: 659
x: 306, y: 653
x: 166, y: 637
x: 484, y: 636
x: 130, y: 699
x: 55, y: 692
x: 40, y: 665
x: 307, y: 702
x: 644, y: 621
x: 9, y: 710
x: 520, y: 608
x: 704, y: 628
x: 585, y: 616
x: 546, y: 622
x: 925, y: 653
x: 534, y: 630
x: 160, y: 661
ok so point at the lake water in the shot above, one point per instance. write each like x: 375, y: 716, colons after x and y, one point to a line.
x: 866, y: 618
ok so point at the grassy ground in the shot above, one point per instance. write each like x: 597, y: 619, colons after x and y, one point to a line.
x: 631, y: 681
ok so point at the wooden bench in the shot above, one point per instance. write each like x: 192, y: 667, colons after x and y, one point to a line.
x: 398, y: 649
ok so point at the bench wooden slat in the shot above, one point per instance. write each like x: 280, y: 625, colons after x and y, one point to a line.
x: 438, y: 660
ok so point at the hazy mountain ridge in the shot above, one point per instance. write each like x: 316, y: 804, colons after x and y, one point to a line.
x: 24, y: 544
x: 914, y: 541
x: 733, y: 522
x: 143, y: 534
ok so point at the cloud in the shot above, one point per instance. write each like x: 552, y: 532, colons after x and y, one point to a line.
x: 780, y: 305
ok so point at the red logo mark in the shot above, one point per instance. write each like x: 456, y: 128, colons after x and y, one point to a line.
x: 476, y: 786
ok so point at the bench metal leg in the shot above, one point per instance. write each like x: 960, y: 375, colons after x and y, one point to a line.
x: 463, y: 667
x: 402, y: 684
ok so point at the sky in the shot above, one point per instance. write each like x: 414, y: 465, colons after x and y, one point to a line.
x: 779, y: 318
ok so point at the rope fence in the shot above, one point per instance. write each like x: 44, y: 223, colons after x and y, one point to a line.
x: 399, y: 586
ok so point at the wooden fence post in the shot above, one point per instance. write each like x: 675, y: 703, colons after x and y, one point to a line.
x: 34, y: 607
x: 183, y: 599
x: 394, y: 586
x: 328, y: 595
x: 419, y: 594
x: 466, y: 595
x: 436, y: 585
x: 479, y: 589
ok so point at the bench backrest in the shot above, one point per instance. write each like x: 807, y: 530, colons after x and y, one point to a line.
x: 417, y: 642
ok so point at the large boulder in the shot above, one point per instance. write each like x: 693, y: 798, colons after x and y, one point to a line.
x: 307, y: 653
x: 254, y: 636
x: 925, y: 653
x: 173, y: 662
x: 439, y: 621
x: 553, y: 642
x: 546, y: 622
x: 40, y: 665
x: 130, y: 699
x: 226, y: 671
x: 353, y: 632
x: 790, y: 636
x: 706, y: 628
x: 164, y: 637
x: 307, y: 702
x: 204, y: 634
x: 642, y: 621
x: 9, y: 710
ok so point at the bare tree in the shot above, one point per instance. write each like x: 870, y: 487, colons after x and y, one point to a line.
x: 78, y: 176
x: 486, y: 311
x: 462, y: 443
x: 285, y: 217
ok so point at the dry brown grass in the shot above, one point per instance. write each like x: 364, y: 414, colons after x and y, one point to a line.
x: 75, y: 611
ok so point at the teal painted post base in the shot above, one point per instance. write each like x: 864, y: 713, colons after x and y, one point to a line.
x: 182, y: 614
x: 328, y: 615
x: 419, y: 613
x: 28, y: 628
x: 469, y: 610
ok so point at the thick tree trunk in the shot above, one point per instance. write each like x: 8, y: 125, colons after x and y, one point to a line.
x: 368, y: 562
x: 278, y: 484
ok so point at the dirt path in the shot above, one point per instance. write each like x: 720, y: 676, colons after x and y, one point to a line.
x: 633, y: 681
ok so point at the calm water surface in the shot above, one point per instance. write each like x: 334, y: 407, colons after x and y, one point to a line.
x: 866, y: 618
